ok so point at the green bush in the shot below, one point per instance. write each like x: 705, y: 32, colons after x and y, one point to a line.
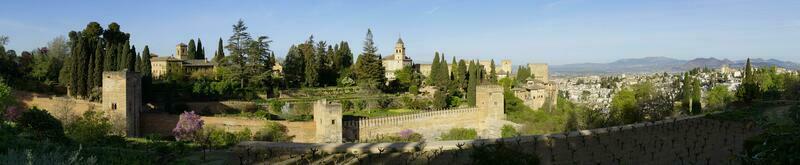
x: 274, y: 132
x: 402, y: 136
x: 275, y: 106
x: 91, y: 127
x: 460, y: 134
x: 219, y: 138
x: 508, y: 131
x: 41, y: 124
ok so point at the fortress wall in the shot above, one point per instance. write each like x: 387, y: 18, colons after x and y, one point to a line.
x: 162, y: 124
x: 429, y: 124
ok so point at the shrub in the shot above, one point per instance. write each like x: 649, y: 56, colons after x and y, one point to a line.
x: 188, y: 126
x: 276, y: 106
x: 274, y: 132
x: 460, y: 134
x: 508, y: 131
x: 41, y: 124
x: 91, y: 127
x: 56, y: 156
x: 219, y: 138
x: 406, y: 135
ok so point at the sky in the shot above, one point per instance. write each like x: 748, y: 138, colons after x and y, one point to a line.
x: 528, y: 31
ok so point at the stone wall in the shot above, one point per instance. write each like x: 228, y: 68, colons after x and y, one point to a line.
x: 429, y: 124
x: 162, y: 124
x: 688, y: 140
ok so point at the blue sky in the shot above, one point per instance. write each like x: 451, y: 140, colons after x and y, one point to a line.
x: 551, y: 31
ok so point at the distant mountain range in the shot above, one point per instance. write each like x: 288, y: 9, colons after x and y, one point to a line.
x: 663, y: 64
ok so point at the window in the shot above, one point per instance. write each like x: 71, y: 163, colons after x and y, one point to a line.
x: 333, y: 122
x: 114, y: 106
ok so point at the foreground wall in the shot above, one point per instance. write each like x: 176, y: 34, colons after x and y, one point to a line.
x: 689, y: 140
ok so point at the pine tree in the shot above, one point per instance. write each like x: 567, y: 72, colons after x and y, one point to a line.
x: 219, y: 54
x: 294, y: 68
x: 146, y: 68
x: 473, y: 83
x: 369, y: 69
x: 259, y: 66
x: 237, y: 46
x: 200, y: 53
x: 191, y: 51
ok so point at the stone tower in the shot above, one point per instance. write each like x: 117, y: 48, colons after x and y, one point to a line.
x: 328, y: 122
x: 490, y: 105
x: 399, y: 50
x: 122, y: 99
x: 540, y: 72
x: 180, y: 51
x: 505, y: 66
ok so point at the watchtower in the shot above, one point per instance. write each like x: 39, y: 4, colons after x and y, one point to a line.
x: 122, y: 97
x: 328, y: 121
x: 491, y: 106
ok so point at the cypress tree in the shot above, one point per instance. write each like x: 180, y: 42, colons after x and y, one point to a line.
x: 122, y: 58
x: 473, y: 83
x: 492, y: 73
x: 219, y: 55
x: 90, y: 69
x: 344, y: 57
x: 191, y: 51
x: 146, y: 68
x: 434, y: 75
x: 462, y: 74
x: 98, y: 65
x: 444, y: 75
x: 138, y: 63
x: 312, y: 63
x: 131, y: 61
x: 200, y: 53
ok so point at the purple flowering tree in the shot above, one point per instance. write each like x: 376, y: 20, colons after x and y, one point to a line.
x: 188, y: 126
x: 12, y: 113
x: 406, y: 133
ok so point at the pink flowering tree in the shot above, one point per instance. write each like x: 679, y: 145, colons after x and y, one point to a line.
x: 188, y: 126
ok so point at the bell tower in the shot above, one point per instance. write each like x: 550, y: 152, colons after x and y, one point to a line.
x: 399, y: 50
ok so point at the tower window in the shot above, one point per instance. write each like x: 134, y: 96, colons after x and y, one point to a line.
x: 333, y: 122
x: 114, y: 106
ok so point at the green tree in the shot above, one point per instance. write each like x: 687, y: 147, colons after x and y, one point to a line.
x: 718, y: 97
x: 434, y: 75
x: 237, y: 46
x: 443, y: 79
x: 473, y: 83
x: 369, y: 69
x: 260, y: 62
x: 462, y: 75
x: 312, y: 63
x: 523, y: 73
x: 344, y: 57
x: 492, y: 73
x: 146, y: 69
x: 200, y: 53
x: 748, y: 90
x: 131, y: 59
x: 623, y: 107
x: 219, y: 54
x: 191, y: 51
x: 294, y: 68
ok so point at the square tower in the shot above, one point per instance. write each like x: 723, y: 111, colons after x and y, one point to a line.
x: 122, y: 97
x: 540, y: 72
x: 328, y: 122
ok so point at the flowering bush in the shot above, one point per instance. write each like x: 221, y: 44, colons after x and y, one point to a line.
x: 188, y: 126
x: 406, y: 133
